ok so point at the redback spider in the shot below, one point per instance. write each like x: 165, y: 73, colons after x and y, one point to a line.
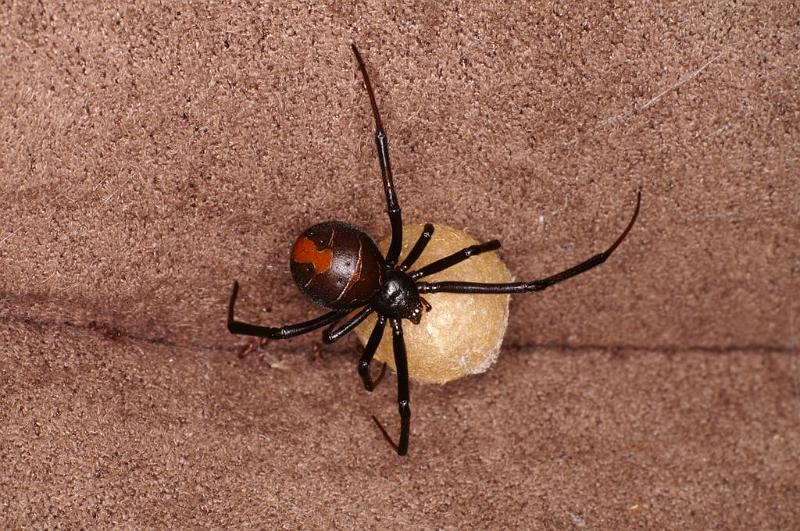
x: 340, y: 268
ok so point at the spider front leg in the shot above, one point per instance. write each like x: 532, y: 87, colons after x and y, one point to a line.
x: 533, y: 285
x: 455, y: 258
x: 403, y: 399
x: 416, y: 251
x: 284, y: 332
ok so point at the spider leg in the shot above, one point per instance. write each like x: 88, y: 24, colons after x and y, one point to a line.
x: 369, y: 352
x: 401, y: 364
x: 334, y: 334
x: 533, y: 285
x: 422, y: 242
x: 455, y: 258
x: 382, y: 145
x: 284, y: 332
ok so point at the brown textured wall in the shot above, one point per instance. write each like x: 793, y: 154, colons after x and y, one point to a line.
x: 151, y: 154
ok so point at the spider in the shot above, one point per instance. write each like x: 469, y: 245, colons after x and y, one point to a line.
x: 340, y: 268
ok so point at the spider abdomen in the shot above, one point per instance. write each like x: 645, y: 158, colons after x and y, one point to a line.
x: 336, y: 265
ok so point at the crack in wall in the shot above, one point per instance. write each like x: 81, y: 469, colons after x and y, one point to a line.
x: 114, y: 333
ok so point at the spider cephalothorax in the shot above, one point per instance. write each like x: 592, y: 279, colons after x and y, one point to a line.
x: 340, y: 268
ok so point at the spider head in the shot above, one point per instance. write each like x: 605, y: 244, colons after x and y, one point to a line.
x: 416, y: 314
x: 398, y: 297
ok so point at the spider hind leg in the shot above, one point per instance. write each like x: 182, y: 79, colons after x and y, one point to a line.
x: 283, y: 332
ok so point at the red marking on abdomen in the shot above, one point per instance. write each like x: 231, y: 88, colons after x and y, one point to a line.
x: 306, y: 252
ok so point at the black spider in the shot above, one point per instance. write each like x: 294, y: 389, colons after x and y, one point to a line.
x: 340, y: 268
